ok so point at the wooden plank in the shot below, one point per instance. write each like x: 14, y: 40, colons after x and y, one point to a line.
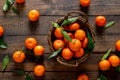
x: 91, y: 64
x: 61, y: 7
x: 22, y: 26
x: 49, y: 76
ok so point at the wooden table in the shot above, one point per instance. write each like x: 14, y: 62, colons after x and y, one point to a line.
x: 18, y: 28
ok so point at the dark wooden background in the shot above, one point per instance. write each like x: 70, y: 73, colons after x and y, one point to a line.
x: 18, y: 28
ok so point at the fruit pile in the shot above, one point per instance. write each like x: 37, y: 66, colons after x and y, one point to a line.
x: 71, y: 39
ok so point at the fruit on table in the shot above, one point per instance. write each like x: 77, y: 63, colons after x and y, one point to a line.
x: 67, y: 53
x: 18, y: 56
x: 39, y: 70
x: 33, y: 15
x: 30, y: 43
x: 104, y: 65
x: 117, y: 45
x: 20, y: 1
x: 84, y: 3
x: 1, y: 31
x: 39, y: 50
x: 100, y: 21
x: 114, y: 60
x: 83, y: 77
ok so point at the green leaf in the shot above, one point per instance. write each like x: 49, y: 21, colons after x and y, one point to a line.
x: 56, y: 25
x: 102, y: 77
x: 15, y: 10
x: 106, y: 54
x: 11, y: 1
x: 66, y: 36
x: 5, y: 7
x: 2, y: 43
x: 20, y: 72
x: 109, y: 24
x: 55, y: 53
x: 69, y: 21
x: 28, y: 77
x: 90, y: 45
x: 117, y: 68
x: 5, y: 62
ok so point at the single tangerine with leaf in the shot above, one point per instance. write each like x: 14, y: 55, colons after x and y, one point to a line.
x: 104, y: 65
x: 100, y: 21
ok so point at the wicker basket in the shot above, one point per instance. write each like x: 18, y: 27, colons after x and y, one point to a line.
x: 84, y: 22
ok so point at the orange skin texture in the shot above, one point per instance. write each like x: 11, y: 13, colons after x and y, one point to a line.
x: 100, y: 21
x: 1, y: 31
x: 74, y: 26
x: 85, y: 42
x: 85, y: 3
x: 75, y: 45
x: 67, y: 54
x: 20, y: 1
x: 104, y: 65
x: 39, y: 70
x: 58, y: 33
x: 30, y: 43
x: 80, y: 34
x: 33, y: 15
x: 79, y: 53
x: 39, y: 50
x: 114, y: 60
x: 117, y: 45
x: 58, y: 44
x: 83, y: 77
x: 18, y: 56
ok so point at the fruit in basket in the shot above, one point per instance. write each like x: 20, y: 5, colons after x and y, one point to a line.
x: 84, y: 42
x: 83, y: 77
x: 100, y: 21
x: 18, y: 56
x: 79, y: 53
x: 104, y: 65
x: 33, y: 15
x: 20, y: 1
x: 114, y: 60
x: 117, y: 45
x: 80, y: 34
x: 71, y: 36
x: 74, y: 26
x: 75, y: 45
x: 39, y: 70
x: 38, y: 50
x: 58, y: 44
x: 30, y: 43
x: 85, y: 3
x: 67, y: 54
x: 58, y: 33
x: 1, y: 31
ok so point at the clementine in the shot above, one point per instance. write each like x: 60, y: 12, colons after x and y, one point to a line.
x: 74, y: 26
x: 83, y: 77
x: 20, y: 1
x: 104, y: 65
x: 58, y: 44
x: 30, y: 43
x: 85, y: 42
x: 58, y: 33
x: 67, y: 53
x: 39, y: 50
x: 85, y: 3
x: 80, y: 34
x: 18, y: 56
x: 117, y: 45
x: 100, y: 21
x: 79, y: 53
x: 39, y: 70
x: 33, y: 15
x: 1, y: 31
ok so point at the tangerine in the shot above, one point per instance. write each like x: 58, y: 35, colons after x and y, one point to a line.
x: 58, y: 44
x: 79, y: 53
x: 80, y: 34
x: 100, y: 21
x: 39, y: 50
x: 74, y: 26
x: 39, y: 70
x: 1, y: 31
x: 85, y: 42
x: 104, y: 65
x: 67, y: 53
x: 117, y: 45
x: 58, y: 33
x: 83, y: 77
x: 85, y: 3
x: 20, y: 1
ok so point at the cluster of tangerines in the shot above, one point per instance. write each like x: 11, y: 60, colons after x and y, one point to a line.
x: 76, y: 46
x: 112, y: 60
x: 38, y: 50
